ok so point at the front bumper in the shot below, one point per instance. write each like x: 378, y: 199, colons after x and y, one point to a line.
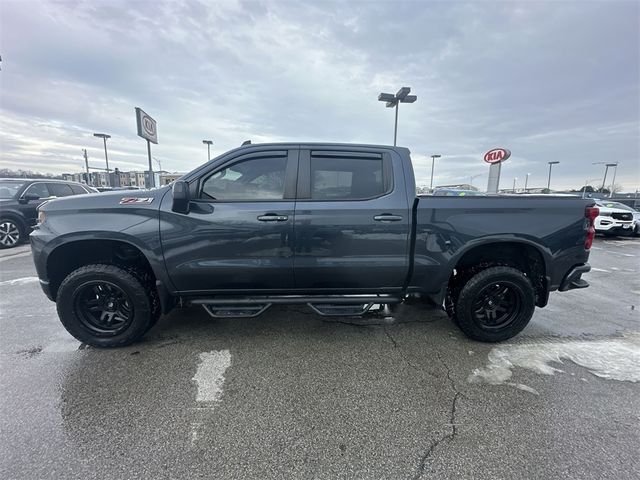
x: 572, y: 279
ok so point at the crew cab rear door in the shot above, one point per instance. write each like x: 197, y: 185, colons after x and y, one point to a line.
x: 352, y: 221
x: 238, y: 234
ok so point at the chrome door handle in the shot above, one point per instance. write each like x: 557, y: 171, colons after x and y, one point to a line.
x: 387, y: 218
x: 273, y: 218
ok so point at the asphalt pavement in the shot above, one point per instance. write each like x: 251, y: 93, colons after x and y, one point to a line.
x: 398, y: 394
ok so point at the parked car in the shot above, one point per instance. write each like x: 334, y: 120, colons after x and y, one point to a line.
x: 614, y: 218
x: 19, y: 200
x: 335, y: 226
x: 621, y: 206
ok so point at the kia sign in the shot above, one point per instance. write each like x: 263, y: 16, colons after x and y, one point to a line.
x: 146, y: 126
x: 497, y: 155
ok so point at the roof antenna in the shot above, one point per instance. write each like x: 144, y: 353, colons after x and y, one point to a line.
x: 246, y: 142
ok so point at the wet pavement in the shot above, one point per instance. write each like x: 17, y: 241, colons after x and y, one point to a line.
x: 291, y: 394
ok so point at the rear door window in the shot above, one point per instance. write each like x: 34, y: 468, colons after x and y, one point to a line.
x: 77, y: 189
x: 59, y: 189
x: 336, y: 178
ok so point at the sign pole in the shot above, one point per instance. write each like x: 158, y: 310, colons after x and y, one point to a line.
x: 151, y: 182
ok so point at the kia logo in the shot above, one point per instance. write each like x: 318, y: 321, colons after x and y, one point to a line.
x: 148, y: 126
x: 497, y: 155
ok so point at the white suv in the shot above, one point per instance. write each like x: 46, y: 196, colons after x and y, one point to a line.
x: 615, y: 218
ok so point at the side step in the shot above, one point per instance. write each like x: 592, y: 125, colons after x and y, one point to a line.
x: 331, y: 305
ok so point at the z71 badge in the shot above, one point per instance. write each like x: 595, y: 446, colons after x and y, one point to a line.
x: 135, y: 200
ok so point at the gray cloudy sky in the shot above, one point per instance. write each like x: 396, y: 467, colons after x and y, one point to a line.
x: 549, y: 80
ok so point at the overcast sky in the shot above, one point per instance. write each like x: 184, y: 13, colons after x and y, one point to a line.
x: 549, y: 80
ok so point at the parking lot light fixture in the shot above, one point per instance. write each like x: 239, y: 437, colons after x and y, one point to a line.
x: 433, y: 161
x: 551, y: 164
x: 208, y: 143
x: 613, y: 182
x: 104, y: 137
x: 526, y: 182
x: 513, y: 190
x: 392, y: 101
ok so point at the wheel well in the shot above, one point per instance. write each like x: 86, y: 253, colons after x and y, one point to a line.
x: 524, y: 257
x: 73, y: 255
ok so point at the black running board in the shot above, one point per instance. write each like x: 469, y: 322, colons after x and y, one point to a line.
x: 330, y: 305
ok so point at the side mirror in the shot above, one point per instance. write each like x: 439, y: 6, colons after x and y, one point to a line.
x: 27, y: 197
x: 180, y: 191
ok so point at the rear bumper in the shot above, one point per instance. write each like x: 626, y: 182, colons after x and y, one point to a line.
x: 572, y: 279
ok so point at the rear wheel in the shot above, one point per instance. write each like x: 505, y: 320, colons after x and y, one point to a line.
x: 495, y: 304
x: 106, y: 306
x: 11, y: 233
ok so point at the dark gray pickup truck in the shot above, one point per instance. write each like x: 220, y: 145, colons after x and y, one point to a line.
x: 338, y: 227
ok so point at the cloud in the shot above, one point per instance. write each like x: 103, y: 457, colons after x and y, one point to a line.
x: 548, y: 80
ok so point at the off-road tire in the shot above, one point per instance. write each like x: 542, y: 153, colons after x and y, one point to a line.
x: 133, y: 283
x: 520, y: 291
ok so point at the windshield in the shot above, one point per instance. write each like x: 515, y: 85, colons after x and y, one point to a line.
x: 9, y: 189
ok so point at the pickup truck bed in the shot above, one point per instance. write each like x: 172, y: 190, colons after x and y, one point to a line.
x: 336, y: 226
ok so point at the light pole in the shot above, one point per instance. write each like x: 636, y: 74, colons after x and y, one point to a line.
x: 393, y: 101
x: 606, y: 170
x: 433, y: 161
x: 613, y: 182
x: 513, y: 190
x: 474, y: 176
x: 551, y: 164
x: 208, y: 143
x: 104, y: 137
x: 526, y: 182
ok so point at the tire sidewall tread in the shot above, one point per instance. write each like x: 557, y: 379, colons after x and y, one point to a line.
x: 139, y: 293
x: 468, y: 293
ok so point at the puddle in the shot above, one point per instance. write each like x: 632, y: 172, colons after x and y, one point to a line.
x: 613, y: 359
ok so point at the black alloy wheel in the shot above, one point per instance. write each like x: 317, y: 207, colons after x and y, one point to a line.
x: 103, y: 308
x: 497, y: 305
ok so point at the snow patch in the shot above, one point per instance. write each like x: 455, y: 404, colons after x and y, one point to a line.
x: 613, y: 359
x: 210, y: 375
x: 20, y: 281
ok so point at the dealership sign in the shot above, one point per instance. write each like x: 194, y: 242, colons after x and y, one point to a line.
x: 146, y: 126
x: 497, y: 155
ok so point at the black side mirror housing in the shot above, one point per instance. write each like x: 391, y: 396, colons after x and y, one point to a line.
x: 29, y: 197
x: 180, y: 191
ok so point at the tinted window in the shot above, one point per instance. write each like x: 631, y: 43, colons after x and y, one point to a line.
x: 77, y: 189
x: 346, y: 178
x: 39, y: 189
x: 255, y: 179
x: 59, y: 189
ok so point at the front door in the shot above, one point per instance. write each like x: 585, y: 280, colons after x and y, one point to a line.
x: 238, y: 234
x: 352, y: 222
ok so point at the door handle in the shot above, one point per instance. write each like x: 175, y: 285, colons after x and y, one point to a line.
x: 272, y: 217
x: 386, y: 217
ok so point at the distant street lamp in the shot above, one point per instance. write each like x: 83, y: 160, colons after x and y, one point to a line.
x: 208, y: 143
x: 513, y: 190
x: 433, y: 161
x: 606, y: 170
x: 474, y: 176
x: 526, y: 182
x: 551, y: 164
x: 613, y: 182
x: 104, y: 137
x: 393, y: 101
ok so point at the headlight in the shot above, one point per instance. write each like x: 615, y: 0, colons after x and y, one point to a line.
x: 41, y: 217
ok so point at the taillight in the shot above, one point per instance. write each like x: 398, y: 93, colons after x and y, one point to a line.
x: 590, y: 214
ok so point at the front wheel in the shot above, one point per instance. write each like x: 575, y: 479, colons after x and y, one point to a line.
x: 495, y: 304
x: 105, y: 305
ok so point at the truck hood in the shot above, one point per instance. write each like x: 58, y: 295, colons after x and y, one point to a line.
x: 95, y: 201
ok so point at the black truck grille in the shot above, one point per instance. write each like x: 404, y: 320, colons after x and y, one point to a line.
x: 622, y: 216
